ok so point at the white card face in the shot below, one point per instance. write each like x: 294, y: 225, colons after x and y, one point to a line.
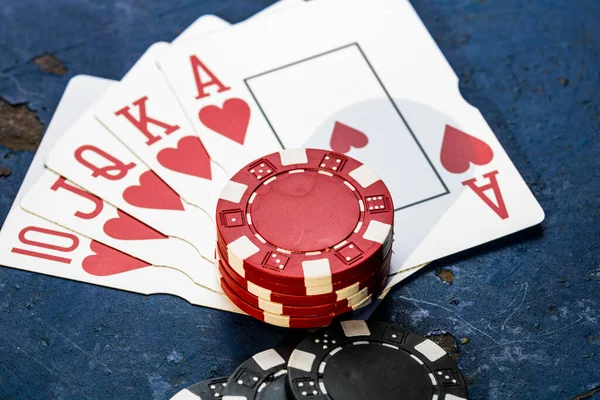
x: 232, y: 141
x: 343, y: 80
x: 58, y: 200
x: 89, y: 156
x: 142, y: 112
x: 31, y: 243
x: 156, y: 215
x: 209, y: 24
x: 380, y: 91
x: 204, y: 25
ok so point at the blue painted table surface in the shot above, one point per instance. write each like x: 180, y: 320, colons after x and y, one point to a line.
x: 529, y: 304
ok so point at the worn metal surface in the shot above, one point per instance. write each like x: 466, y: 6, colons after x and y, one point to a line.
x: 524, y: 311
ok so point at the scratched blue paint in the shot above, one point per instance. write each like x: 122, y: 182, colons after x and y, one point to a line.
x: 529, y: 304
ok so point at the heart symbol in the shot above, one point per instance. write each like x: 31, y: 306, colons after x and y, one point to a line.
x: 189, y: 157
x: 459, y: 150
x: 152, y: 193
x: 230, y: 121
x: 125, y: 227
x: 345, y: 137
x: 108, y: 261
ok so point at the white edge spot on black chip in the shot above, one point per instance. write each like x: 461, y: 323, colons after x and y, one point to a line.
x: 453, y: 397
x: 268, y: 359
x: 301, y: 360
x: 429, y: 349
x: 355, y: 328
x: 185, y: 395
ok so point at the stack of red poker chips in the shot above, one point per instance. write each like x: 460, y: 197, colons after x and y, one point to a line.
x: 304, y: 235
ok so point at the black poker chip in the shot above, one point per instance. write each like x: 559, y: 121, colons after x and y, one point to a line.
x: 260, y: 377
x: 205, y: 390
x: 372, y: 360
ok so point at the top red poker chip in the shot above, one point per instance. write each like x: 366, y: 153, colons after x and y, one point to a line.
x: 305, y: 217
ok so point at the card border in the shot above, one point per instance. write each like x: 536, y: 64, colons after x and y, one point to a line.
x: 446, y: 190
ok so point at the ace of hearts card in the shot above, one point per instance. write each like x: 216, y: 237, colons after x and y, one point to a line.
x: 366, y: 80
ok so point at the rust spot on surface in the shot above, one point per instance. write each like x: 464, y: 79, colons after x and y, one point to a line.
x: 588, y: 395
x: 4, y: 172
x: 447, y: 342
x: 445, y: 275
x: 51, y: 64
x: 593, y: 339
x: 20, y: 127
x: 563, y: 81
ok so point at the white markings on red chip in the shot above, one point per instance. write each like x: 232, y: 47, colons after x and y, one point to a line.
x: 293, y: 156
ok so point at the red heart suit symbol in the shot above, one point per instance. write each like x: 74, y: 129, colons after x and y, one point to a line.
x: 231, y: 120
x: 108, y: 261
x: 125, y: 227
x: 189, y: 157
x: 345, y: 137
x: 152, y: 193
x: 459, y: 150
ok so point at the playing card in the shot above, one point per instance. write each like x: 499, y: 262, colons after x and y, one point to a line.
x: 31, y: 243
x: 208, y: 24
x: 142, y: 112
x: 57, y: 200
x: 89, y: 156
x: 204, y: 25
x: 371, y: 83
x: 372, y: 131
x: 186, y: 167
x: 145, y: 115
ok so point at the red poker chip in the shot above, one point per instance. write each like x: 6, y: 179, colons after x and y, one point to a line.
x: 366, y: 268
x: 284, y: 320
x: 294, y: 311
x: 318, y: 294
x: 320, y: 267
x: 333, y: 308
x: 341, y: 289
x: 305, y: 217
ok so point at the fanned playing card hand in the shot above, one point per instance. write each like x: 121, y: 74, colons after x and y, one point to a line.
x: 191, y: 176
